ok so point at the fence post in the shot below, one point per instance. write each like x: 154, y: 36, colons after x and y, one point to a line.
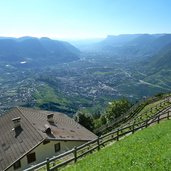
x: 98, y: 143
x: 47, y: 164
x: 133, y: 130
x: 146, y: 123
x: 168, y: 115
x: 117, y: 137
x: 157, y: 106
x: 75, y: 154
x: 89, y: 149
x: 158, y: 119
x: 168, y: 100
x: 112, y: 136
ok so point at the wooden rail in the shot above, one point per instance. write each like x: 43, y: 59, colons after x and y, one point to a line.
x: 96, y: 144
x: 132, y: 112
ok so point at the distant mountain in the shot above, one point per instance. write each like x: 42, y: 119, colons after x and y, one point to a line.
x: 162, y: 60
x: 119, y: 40
x: 133, y: 46
x: 85, y: 44
x: 106, y: 44
x: 139, y: 47
x: 149, y: 44
x: 30, y: 51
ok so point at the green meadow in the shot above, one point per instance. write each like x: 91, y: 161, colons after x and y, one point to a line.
x: 148, y: 149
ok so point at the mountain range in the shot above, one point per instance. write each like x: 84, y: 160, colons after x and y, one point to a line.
x: 152, y: 49
x: 31, y: 51
x: 132, y: 46
x: 162, y: 60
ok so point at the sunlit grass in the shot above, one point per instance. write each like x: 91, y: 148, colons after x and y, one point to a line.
x: 149, y: 149
x: 146, y: 112
x: 46, y: 94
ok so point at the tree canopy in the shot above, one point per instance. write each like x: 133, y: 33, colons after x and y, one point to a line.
x: 117, y: 108
x: 84, y: 119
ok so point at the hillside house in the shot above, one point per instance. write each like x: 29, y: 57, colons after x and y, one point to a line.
x: 28, y: 136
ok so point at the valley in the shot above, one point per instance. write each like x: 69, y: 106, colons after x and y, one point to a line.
x: 87, y: 84
x: 16, y: 89
x: 88, y: 81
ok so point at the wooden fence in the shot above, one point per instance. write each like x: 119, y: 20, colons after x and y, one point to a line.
x: 153, y: 111
x: 76, y: 153
x: 131, y: 112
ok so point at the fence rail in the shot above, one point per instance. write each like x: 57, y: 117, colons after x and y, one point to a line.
x: 131, y: 112
x: 96, y: 144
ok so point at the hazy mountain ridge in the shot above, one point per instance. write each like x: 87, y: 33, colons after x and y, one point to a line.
x: 162, y: 60
x: 34, y: 51
x: 131, y: 45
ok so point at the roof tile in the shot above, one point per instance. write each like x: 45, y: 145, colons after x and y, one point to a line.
x: 14, y: 144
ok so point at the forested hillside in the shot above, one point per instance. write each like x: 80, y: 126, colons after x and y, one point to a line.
x: 30, y: 51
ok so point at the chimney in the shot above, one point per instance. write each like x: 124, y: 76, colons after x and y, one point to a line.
x: 17, y: 122
x: 47, y: 129
x: 50, y: 118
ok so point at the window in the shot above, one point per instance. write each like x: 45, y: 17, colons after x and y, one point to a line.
x: 31, y: 157
x: 57, y: 147
x: 17, y: 165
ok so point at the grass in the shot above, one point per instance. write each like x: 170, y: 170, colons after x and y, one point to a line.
x: 149, y: 149
x: 149, y: 106
x: 47, y: 94
x: 146, y: 113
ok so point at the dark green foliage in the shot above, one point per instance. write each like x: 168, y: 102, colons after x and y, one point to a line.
x: 159, y: 95
x: 114, y: 110
x: 117, y: 108
x: 98, y: 122
x: 103, y: 119
x: 84, y: 119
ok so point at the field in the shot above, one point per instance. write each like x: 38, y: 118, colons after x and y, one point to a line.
x: 149, y: 149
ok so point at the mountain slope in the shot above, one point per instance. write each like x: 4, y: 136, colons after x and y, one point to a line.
x: 132, y: 46
x: 32, y: 51
x: 162, y: 60
x: 145, y: 150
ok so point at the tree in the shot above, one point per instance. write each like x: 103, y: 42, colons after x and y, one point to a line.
x: 84, y: 119
x: 117, y: 108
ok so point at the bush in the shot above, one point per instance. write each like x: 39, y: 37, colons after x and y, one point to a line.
x: 117, y: 108
x: 85, y: 119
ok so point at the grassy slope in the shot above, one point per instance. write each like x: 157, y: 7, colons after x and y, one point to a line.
x: 147, y: 110
x: 149, y: 149
x: 47, y: 94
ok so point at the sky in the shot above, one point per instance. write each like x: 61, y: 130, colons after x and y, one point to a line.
x: 83, y: 19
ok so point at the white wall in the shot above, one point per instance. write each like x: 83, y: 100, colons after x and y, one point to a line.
x: 47, y: 150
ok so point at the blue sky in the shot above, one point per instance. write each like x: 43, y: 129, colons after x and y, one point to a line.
x: 77, y: 19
